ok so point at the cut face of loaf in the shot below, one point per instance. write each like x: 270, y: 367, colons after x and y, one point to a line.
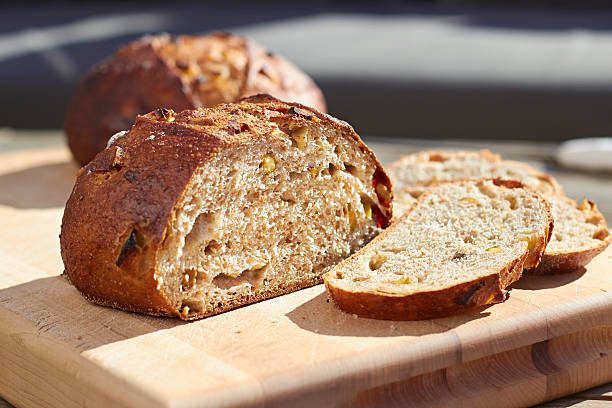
x: 458, y: 247
x: 580, y: 229
x: 198, y: 213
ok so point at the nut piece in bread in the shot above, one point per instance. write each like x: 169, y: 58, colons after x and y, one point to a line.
x: 179, y: 73
x: 199, y: 212
x: 460, y: 246
x: 580, y: 234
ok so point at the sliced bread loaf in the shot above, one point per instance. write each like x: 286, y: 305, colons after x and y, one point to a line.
x: 195, y: 213
x: 580, y: 229
x: 458, y: 247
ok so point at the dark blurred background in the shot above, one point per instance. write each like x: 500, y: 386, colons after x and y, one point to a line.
x: 426, y: 69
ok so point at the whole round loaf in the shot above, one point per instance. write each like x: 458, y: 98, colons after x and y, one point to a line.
x: 178, y: 73
x: 199, y: 212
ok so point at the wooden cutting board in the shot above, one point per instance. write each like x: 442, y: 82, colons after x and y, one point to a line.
x: 551, y: 338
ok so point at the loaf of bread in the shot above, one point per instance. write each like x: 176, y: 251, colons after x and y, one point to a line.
x: 580, y: 234
x: 179, y: 73
x: 199, y: 212
x: 459, y: 246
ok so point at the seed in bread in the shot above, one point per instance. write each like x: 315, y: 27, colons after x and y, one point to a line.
x: 580, y: 234
x: 461, y: 245
x: 199, y: 212
x: 180, y: 73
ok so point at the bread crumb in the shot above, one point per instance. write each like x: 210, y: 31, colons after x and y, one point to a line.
x: 274, y: 321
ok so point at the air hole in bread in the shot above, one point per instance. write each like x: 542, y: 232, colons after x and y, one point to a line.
x: 299, y: 137
x: 191, y: 305
x: 288, y: 197
x: 354, y: 170
x: 253, y: 276
x: 204, y: 229
x: 367, y: 204
x: 212, y: 247
x: 512, y: 201
x: 189, y: 279
x: 332, y: 169
x: 487, y: 190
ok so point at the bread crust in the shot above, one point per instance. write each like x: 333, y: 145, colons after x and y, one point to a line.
x: 143, y: 76
x: 431, y: 304
x: 445, y: 301
x: 116, y: 217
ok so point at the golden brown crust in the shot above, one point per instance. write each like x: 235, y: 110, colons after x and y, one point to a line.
x: 430, y: 304
x: 157, y: 72
x: 116, y: 217
x: 445, y: 301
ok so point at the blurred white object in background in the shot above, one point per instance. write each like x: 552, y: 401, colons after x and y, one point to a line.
x: 587, y: 154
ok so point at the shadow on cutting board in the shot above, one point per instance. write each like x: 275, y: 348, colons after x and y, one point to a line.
x: 536, y: 282
x: 320, y: 316
x: 44, y: 186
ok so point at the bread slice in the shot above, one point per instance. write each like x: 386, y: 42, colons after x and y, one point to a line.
x: 196, y: 213
x: 182, y: 72
x: 458, y: 247
x: 580, y: 229
x: 414, y: 173
x: 580, y: 235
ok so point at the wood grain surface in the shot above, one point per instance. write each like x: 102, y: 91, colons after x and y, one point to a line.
x: 553, y: 337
